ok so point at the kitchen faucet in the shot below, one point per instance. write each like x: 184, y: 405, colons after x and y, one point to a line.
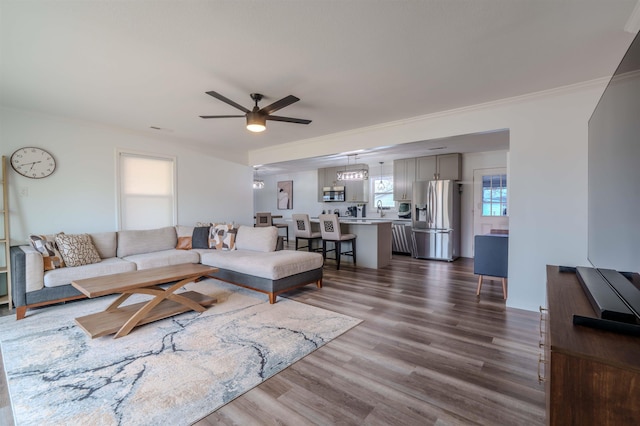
x: 380, y: 211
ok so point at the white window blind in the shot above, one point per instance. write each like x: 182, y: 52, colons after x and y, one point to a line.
x: 146, y: 191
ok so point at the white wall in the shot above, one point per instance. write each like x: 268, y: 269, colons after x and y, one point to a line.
x: 547, y: 172
x: 80, y: 196
x: 305, y: 194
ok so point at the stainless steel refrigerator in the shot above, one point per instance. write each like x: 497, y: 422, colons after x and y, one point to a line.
x: 436, y: 220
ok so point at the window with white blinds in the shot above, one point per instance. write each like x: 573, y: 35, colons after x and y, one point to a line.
x: 146, y: 188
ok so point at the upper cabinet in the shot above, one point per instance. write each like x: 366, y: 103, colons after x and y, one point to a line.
x: 356, y: 191
x: 441, y: 167
x: 404, y: 174
x: 326, y: 177
x: 426, y: 168
x: 409, y: 170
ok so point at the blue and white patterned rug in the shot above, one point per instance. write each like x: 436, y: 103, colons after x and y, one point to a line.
x: 175, y: 371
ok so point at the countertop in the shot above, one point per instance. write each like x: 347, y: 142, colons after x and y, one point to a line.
x: 355, y: 221
x: 368, y: 220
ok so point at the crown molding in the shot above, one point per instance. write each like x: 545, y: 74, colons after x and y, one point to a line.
x: 598, y: 83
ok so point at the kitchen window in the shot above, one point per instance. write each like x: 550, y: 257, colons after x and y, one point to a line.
x: 494, y: 195
x: 383, y: 191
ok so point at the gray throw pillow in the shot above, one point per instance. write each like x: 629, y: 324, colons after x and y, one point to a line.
x: 200, y: 238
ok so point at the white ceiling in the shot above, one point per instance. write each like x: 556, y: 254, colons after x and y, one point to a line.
x: 357, y: 63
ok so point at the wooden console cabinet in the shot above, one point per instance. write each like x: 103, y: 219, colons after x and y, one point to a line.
x: 592, y: 376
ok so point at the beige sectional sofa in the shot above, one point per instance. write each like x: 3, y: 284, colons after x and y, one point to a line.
x: 253, y: 263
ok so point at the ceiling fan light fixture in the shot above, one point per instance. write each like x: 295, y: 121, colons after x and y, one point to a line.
x: 256, y: 118
x: 256, y: 122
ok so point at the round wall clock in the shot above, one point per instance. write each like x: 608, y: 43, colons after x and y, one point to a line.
x: 34, y: 163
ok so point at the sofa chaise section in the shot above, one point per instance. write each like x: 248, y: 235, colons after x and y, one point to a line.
x: 257, y: 265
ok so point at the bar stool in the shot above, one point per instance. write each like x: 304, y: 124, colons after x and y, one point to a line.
x: 330, y: 230
x: 302, y: 228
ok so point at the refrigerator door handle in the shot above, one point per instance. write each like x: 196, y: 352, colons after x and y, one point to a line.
x: 430, y: 197
x: 434, y: 206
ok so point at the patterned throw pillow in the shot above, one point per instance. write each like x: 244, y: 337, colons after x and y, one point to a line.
x: 77, y: 250
x: 222, y: 236
x: 49, y: 251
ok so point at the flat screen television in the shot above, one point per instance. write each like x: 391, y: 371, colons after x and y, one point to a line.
x: 614, y: 178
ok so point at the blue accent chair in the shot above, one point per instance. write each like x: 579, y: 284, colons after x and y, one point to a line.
x: 492, y: 259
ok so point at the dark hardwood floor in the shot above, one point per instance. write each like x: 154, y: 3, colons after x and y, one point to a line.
x: 428, y: 352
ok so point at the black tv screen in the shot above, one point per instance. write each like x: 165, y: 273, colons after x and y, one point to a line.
x: 614, y: 170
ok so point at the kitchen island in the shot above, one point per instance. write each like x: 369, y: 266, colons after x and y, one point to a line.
x: 373, y: 246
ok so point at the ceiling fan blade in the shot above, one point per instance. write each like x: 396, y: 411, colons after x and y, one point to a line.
x: 287, y: 119
x: 221, y: 116
x: 226, y: 100
x: 286, y: 101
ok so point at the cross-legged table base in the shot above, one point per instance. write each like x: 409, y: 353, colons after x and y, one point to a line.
x: 165, y: 302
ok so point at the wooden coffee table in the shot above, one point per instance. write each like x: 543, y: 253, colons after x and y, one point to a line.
x: 165, y: 303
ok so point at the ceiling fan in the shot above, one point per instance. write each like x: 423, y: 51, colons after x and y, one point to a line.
x: 256, y: 118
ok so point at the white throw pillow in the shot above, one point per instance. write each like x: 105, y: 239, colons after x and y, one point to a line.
x: 259, y: 238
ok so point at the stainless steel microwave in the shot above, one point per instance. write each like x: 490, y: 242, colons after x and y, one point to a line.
x: 333, y: 193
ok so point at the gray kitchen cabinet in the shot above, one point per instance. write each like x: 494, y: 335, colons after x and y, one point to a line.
x: 426, y: 168
x: 357, y: 191
x: 321, y: 183
x: 443, y: 167
x: 326, y: 177
x: 404, y: 174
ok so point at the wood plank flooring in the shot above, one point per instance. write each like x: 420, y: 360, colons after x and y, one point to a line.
x: 429, y: 352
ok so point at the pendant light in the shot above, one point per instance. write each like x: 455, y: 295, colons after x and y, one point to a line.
x: 380, y: 183
x: 257, y: 183
x: 358, y: 174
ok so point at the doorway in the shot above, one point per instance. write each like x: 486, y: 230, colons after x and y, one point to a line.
x: 490, y: 201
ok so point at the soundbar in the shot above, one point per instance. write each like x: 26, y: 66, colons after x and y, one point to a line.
x: 607, y: 325
x: 609, y: 302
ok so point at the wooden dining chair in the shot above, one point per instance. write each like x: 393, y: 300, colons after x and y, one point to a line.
x: 265, y: 219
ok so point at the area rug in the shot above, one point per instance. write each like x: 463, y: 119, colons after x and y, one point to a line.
x: 175, y: 371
